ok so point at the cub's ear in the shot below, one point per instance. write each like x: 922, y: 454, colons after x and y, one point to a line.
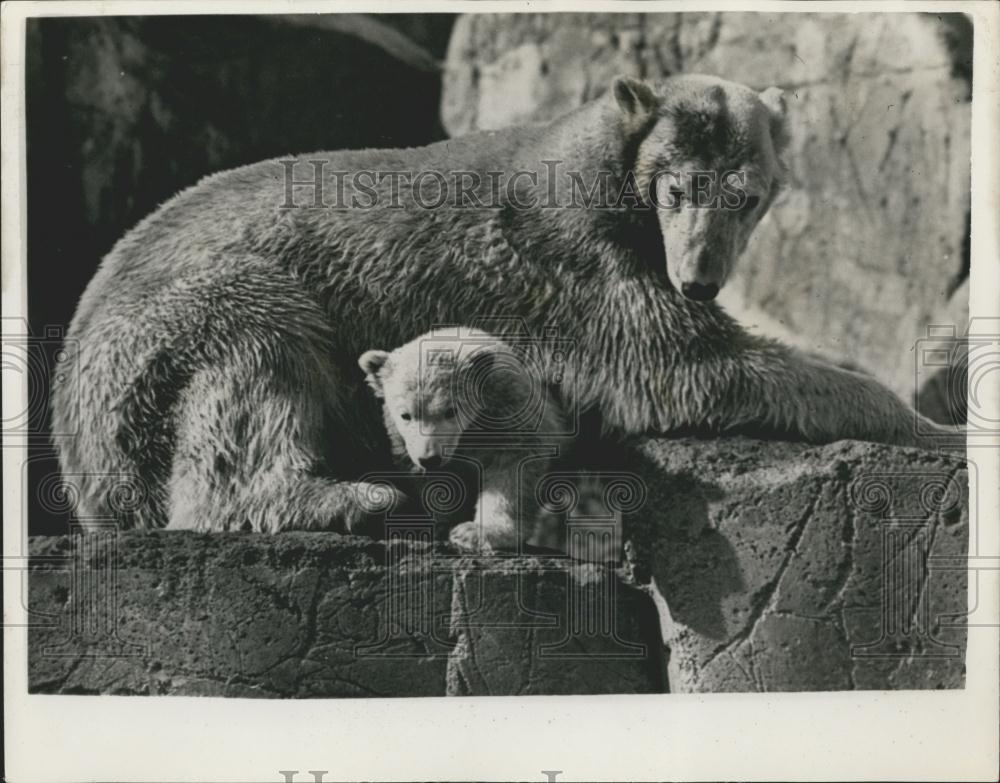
x: 372, y: 363
x: 636, y: 99
x: 773, y: 99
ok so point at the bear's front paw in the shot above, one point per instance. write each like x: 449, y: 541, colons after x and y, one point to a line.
x: 931, y: 436
x: 468, y: 538
x: 374, y: 503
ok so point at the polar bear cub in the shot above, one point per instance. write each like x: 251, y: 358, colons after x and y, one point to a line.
x: 467, y: 396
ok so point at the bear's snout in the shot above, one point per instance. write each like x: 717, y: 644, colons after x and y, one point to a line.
x: 700, y: 292
x: 431, y: 462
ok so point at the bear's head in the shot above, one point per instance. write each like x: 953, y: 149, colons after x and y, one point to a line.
x: 435, y: 389
x: 708, y: 160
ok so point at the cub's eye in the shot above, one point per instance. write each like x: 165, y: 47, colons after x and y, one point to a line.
x: 676, y: 198
x: 449, y: 414
x: 751, y: 203
x: 405, y: 416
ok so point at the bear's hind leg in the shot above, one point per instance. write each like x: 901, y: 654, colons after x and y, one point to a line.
x: 252, y: 452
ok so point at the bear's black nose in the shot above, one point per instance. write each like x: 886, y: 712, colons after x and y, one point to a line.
x: 699, y: 292
x: 430, y: 463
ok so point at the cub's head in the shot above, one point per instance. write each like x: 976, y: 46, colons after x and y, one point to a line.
x: 429, y: 390
x: 708, y: 160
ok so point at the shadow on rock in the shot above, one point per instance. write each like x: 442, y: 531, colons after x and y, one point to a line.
x: 678, y: 549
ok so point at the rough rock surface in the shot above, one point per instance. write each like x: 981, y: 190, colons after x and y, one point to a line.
x: 552, y: 631
x: 752, y: 566
x: 782, y: 566
x: 321, y: 615
x: 868, y: 241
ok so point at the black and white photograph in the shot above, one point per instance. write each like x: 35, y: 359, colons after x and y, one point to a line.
x: 491, y: 350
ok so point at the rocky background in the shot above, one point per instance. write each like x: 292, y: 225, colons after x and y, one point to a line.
x: 751, y: 566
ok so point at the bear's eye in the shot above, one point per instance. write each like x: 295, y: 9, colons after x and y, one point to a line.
x: 676, y: 198
x: 405, y: 416
x: 751, y: 203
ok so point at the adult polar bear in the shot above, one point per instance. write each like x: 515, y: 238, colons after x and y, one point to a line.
x: 217, y: 343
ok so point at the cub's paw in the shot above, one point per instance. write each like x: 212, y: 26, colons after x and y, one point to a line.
x: 468, y: 538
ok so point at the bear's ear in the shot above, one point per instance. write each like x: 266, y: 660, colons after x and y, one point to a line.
x: 773, y: 99
x: 636, y: 99
x: 372, y: 363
